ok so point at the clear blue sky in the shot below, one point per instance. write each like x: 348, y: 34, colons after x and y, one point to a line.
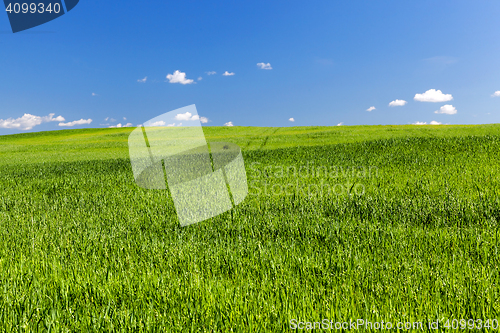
x: 331, y: 61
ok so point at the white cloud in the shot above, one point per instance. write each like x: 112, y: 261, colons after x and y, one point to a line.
x: 211, y: 73
x: 200, y: 78
x: 180, y: 124
x: 179, y: 77
x: 433, y: 95
x: 143, y: 80
x: 226, y: 73
x: 397, y: 102
x: 94, y: 94
x: 76, y: 122
x: 264, y: 65
x: 371, y: 108
x: 106, y: 119
x: 424, y: 123
x: 447, y: 109
x: 171, y: 125
x: 186, y: 116
x: 28, y: 121
x: 51, y: 118
x: 496, y: 94
x: 291, y: 119
x: 189, y: 117
x: 229, y: 123
x: 120, y: 125
x: 340, y: 124
x: 124, y: 118
x: 158, y: 123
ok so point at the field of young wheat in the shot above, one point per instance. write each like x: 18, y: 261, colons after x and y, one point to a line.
x: 392, y: 223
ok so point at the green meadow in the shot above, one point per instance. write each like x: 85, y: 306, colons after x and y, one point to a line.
x: 380, y: 223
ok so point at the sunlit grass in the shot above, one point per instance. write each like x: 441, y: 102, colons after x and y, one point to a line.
x: 82, y: 248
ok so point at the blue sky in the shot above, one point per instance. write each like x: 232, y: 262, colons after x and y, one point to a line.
x: 331, y: 61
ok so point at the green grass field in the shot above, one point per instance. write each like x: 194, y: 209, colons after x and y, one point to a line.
x: 409, y: 232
